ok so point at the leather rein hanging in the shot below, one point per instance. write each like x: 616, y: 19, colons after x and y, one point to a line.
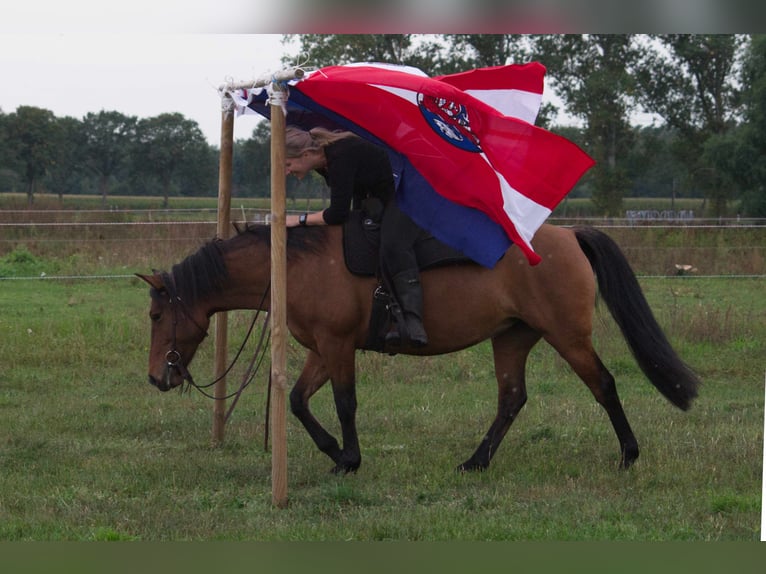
x: 173, y: 356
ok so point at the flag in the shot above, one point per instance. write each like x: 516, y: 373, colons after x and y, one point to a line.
x: 469, y: 165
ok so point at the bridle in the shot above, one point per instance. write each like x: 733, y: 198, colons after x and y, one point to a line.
x: 173, y: 356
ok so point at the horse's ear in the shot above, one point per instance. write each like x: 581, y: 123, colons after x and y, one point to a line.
x: 154, y: 281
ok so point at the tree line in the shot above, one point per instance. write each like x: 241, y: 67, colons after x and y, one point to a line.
x: 705, y: 93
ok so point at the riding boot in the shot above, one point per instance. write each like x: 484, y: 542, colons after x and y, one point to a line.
x: 410, y: 296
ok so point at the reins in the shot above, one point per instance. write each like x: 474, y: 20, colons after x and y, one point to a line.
x: 173, y: 357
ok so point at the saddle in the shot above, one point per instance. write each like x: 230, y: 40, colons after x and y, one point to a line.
x: 361, y: 243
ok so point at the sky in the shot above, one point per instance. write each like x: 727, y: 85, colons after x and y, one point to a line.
x: 142, y: 75
x: 147, y: 57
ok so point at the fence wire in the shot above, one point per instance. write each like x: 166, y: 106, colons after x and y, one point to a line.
x: 164, y: 233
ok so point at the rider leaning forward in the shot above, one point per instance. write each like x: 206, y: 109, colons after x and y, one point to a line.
x: 360, y: 176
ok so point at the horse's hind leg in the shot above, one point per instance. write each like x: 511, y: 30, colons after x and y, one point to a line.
x: 600, y: 381
x: 510, y: 350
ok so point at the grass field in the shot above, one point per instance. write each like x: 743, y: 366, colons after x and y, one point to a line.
x: 89, y: 451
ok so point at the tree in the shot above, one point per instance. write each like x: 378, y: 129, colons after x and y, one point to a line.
x: 32, y: 132
x: 164, y: 145
x: 752, y: 145
x: 467, y: 51
x: 739, y: 153
x: 7, y: 154
x: 420, y: 51
x: 108, y: 137
x: 592, y: 73
x: 68, y: 160
x: 252, y: 162
x: 690, y: 81
x: 652, y: 167
x: 9, y: 164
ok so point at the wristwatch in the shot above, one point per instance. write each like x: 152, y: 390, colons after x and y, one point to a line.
x: 302, y: 218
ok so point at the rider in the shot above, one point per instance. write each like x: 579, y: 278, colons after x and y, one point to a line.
x: 360, y: 176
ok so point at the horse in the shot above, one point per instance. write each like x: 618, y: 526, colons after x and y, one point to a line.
x: 513, y: 304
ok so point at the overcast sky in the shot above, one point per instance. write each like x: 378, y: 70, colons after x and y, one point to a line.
x: 146, y: 57
x: 139, y: 74
x: 142, y: 75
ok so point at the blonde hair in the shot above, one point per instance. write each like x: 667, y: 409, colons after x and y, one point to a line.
x: 297, y: 140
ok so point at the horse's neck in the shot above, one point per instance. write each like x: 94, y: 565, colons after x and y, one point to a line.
x: 249, y: 272
x: 247, y: 284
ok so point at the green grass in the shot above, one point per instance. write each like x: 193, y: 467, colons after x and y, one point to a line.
x: 89, y: 451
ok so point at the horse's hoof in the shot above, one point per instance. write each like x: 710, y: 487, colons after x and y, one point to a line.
x: 344, y: 469
x: 393, y: 341
x: 627, y: 459
x: 471, y: 467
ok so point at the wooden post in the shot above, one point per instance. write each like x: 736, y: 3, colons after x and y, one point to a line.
x: 278, y: 316
x: 222, y: 231
x: 278, y: 312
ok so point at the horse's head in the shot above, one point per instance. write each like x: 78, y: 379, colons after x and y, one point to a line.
x: 177, y: 330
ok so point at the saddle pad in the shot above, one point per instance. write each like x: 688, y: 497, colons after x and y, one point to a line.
x: 360, y: 248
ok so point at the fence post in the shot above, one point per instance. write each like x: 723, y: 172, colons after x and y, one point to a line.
x: 278, y: 311
x: 278, y: 302
x: 222, y: 231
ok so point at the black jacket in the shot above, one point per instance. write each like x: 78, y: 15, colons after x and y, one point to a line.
x: 356, y: 170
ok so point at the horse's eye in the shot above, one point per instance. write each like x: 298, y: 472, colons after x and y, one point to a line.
x: 154, y: 317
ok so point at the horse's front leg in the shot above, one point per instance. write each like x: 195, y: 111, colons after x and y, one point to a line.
x: 313, y: 376
x: 345, y: 405
x: 340, y: 359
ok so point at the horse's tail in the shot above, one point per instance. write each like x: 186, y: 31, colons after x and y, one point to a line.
x: 626, y: 302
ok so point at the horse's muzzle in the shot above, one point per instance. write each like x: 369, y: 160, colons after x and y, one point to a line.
x: 162, y: 384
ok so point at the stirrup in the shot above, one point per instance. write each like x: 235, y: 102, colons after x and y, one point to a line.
x: 394, y: 337
x: 417, y: 336
x: 402, y: 336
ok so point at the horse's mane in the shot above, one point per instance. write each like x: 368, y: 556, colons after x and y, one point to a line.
x: 204, y: 271
x: 300, y: 240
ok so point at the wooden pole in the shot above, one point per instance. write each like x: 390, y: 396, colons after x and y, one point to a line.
x: 278, y: 312
x: 278, y: 316
x: 222, y: 231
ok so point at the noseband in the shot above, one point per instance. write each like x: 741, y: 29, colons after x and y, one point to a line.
x: 173, y: 356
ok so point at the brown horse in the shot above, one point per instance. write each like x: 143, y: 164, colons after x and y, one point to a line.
x: 513, y: 304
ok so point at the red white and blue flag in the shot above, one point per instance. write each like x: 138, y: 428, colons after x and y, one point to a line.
x: 470, y: 166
